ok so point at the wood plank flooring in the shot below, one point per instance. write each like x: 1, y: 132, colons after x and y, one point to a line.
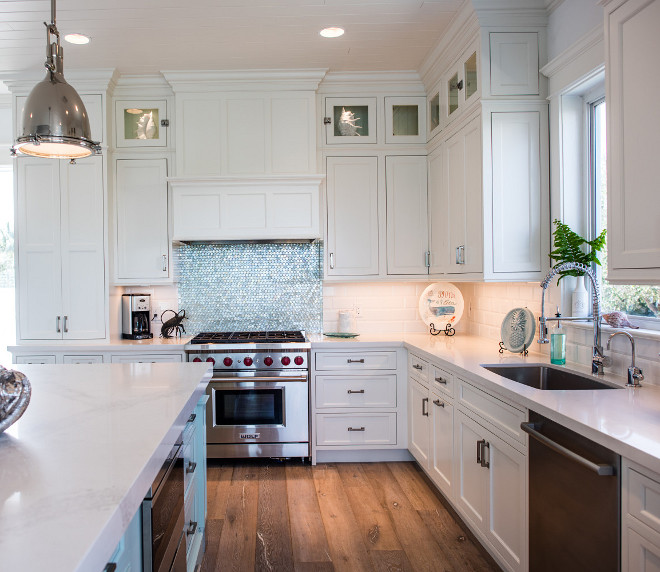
x: 264, y: 515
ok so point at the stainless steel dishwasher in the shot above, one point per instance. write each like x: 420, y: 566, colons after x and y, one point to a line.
x: 574, y: 500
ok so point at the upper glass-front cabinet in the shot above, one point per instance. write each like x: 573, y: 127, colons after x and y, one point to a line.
x: 462, y: 82
x: 350, y: 120
x: 405, y: 119
x: 470, y: 75
x: 141, y: 123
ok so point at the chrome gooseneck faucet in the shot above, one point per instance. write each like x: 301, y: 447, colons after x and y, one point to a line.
x: 635, y: 374
x: 598, y: 360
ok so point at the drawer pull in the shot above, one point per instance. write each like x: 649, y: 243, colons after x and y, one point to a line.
x: 356, y: 391
x: 191, y: 467
x: 441, y: 380
x: 356, y: 429
x: 425, y: 410
x: 361, y: 360
x: 417, y: 366
x: 438, y: 403
x: 192, y: 527
x: 192, y: 417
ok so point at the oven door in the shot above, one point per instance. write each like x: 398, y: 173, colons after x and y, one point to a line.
x: 258, y: 409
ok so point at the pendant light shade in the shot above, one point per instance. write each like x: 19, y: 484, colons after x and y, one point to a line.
x: 55, y: 121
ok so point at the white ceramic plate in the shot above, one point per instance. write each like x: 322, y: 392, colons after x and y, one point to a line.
x: 441, y: 304
x: 518, y: 329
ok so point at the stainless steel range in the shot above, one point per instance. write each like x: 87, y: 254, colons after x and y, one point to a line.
x: 259, y: 393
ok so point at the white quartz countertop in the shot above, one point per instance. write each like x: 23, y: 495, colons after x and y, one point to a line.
x: 75, y: 467
x: 156, y: 344
x: 625, y: 420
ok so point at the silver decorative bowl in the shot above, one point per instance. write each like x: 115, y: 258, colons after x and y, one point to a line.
x: 15, y: 392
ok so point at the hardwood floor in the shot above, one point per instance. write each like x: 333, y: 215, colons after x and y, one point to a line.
x: 265, y: 515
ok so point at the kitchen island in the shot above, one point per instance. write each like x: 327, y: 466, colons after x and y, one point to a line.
x: 75, y: 467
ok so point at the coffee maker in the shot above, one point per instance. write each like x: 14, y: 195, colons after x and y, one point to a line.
x: 135, y: 314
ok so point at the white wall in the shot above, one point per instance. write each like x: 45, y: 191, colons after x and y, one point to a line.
x: 571, y: 20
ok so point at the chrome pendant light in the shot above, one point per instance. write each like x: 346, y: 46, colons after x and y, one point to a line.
x: 55, y: 121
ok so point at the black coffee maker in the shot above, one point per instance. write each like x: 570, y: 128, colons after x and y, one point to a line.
x: 135, y: 314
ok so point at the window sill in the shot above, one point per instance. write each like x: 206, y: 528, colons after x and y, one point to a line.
x: 637, y: 333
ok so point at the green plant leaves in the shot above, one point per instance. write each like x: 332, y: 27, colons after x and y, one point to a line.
x: 571, y: 247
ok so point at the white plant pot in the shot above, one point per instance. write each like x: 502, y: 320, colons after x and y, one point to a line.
x: 580, y: 299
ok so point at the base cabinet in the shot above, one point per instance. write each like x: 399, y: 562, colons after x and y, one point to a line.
x: 418, y: 422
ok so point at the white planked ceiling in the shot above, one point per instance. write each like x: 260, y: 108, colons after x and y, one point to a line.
x: 145, y: 36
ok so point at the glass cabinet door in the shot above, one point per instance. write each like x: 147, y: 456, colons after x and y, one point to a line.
x: 350, y: 120
x: 470, y: 75
x: 141, y: 123
x: 434, y: 112
x: 405, y: 118
x: 452, y: 94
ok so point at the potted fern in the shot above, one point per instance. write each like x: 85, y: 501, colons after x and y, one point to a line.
x: 569, y: 246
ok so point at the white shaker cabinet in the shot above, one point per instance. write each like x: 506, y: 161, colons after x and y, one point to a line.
x: 141, y: 211
x: 352, y: 195
x: 418, y: 422
x: 60, y: 249
x: 462, y: 175
x: 407, y: 214
x: 632, y: 45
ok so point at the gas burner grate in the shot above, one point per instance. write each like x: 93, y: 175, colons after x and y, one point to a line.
x: 275, y: 337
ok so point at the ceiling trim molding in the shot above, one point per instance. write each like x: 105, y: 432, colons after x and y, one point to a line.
x: 132, y: 85
x: 406, y: 82
x: 21, y: 83
x: 552, y: 5
x: 584, y: 44
x: 241, y: 80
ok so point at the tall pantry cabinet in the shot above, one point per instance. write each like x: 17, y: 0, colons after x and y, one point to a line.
x: 60, y: 249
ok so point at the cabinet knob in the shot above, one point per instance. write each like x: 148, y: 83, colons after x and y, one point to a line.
x: 441, y: 380
x: 192, y: 527
x: 438, y: 403
x: 193, y: 416
x: 191, y: 467
x: 417, y: 366
x: 459, y: 85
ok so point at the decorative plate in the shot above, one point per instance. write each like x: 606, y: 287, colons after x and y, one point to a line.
x: 518, y: 329
x: 441, y: 304
x: 341, y: 335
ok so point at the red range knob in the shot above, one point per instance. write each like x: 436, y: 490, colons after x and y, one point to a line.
x: 286, y: 360
x: 298, y: 360
x: 228, y: 361
x: 197, y: 359
x: 247, y: 361
x: 268, y: 361
x: 210, y: 360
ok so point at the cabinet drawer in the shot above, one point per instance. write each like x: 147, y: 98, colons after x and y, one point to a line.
x: 499, y: 413
x: 144, y: 358
x: 644, y: 498
x: 355, y: 361
x: 35, y: 359
x: 360, y: 429
x: 356, y: 391
x: 442, y: 380
x: 191, y: 524
x: 418, y: 368
x: 83, y: 359
x: 189, y: 464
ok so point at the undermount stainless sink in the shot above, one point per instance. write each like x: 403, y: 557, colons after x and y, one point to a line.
x: 547, y: 377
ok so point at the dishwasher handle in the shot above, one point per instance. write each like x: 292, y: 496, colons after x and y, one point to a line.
x: 600, y: 470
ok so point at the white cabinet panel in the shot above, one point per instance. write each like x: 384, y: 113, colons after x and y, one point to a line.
x: 293, y: 141
x: 517, y: 210
x: 442, y: 439
x: 471, y: 494
x: 407, y: 214
x: 357, y: 429
x: 356, y: 391
x: 35, y: 359
x: 642, y: 554
x: 141, y: 207
x: 632, y: 47
x: 246, y: 135
x: 38, y: 249
x: 514, y: 63
x: 355, y: 361
x: 82, y: 359
x: 352, y: 193
x: 438, y: 193
x: 199, y: 155
x: 418, y: 422
x: 82, y: 247
x: 462, y: 167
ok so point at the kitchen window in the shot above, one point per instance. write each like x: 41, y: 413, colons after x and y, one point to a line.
x: 640, y: 303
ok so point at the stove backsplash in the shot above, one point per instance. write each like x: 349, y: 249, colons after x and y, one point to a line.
x: 228, y: 287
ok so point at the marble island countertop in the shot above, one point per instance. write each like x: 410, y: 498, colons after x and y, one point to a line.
x: 625, y: 420
x: 114, y: 344
x: 75, y: 467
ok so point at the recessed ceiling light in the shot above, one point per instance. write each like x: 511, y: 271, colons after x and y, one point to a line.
x: 77, y: 39
x: 332, y: 32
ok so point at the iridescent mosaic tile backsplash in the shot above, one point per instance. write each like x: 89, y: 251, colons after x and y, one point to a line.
x: 231, y: 287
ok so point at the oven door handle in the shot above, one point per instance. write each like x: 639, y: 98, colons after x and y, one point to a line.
x: 260, y: 379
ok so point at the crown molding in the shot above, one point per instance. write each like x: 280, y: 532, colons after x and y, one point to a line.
x: 573, y: 52
x: 552, y: 5
x: 142, y: 85
x: 406, y: 82
x: 244, y: 80
x: 86, y: 81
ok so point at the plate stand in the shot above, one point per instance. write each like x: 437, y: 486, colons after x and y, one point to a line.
x: 448, y: 331
x: 524, y: 351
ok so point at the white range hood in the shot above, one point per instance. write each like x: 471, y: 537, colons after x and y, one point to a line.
x: 269, y: 208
